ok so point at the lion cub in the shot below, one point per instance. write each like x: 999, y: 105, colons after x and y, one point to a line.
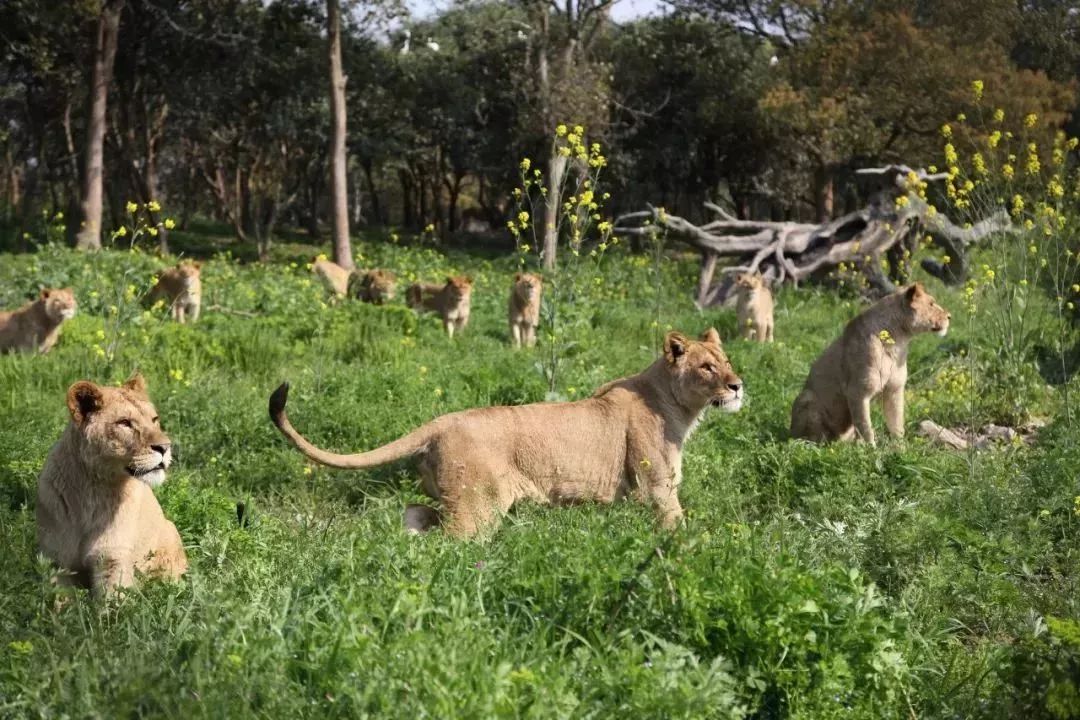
x: 334, y: 277
x: 36, y: 325
x: 754, y: 307
x: 525, y: 308
x: 96, y: 513
x: 373, y: 286
x: 624, y: 441
x: 868, y: 360
x: 181, y: 288
x: 451, y: 301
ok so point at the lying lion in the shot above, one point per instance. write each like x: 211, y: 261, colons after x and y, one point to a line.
x: 626, y: 439
x: 97, y: 516
x: 868, y: 360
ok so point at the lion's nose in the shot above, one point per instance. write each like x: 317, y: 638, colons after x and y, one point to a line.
x: 735, y: 387
x: 162, y: 449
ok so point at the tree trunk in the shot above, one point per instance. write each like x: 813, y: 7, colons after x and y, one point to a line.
x: 556, y: 176
x: 108, y: 28
x: 339, y: 187
x: 376, y: 206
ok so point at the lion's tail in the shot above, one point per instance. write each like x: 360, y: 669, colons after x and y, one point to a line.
x: 412, y: 444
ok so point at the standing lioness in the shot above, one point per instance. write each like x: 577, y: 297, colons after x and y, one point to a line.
x: 868, y: 360
x: 754, y: 307
x: 181, y: 288
x: 626, y: 439
x: 524, y: 311
x: 452, y: 301
x: 96, y: 513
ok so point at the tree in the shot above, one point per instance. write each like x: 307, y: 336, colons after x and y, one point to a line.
x: 339, y: 197
x: 108, y: 30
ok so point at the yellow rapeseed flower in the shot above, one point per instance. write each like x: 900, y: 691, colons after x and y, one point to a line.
x: 169, y: 223
x: 131, y: 207
x: 121, y: 232
x: 1007, y: 171
x: 578, y: 130
x: 152, y: 231
x: 951, y: 157
x: 560, y: 130
x: 153, y: 206
x: 977, y: 88
x: 946, y: 131
x: 999, y: 115
x: 994, y: 139
x: 526, y: 163
x: 1030, y: 119
x: 886, y: 338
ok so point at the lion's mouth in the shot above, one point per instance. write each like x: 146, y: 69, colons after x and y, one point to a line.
x: 136, y: 472
x: 728, y: 404
x: 940, y: 329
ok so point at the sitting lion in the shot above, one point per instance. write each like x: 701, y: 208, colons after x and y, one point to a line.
x: 452, y: 301
x: 181, y: 288
x: 754, y: 307
x: 627, y: 439
x: 373, y: 286
x: 36, y: 325
x: 525, y: 308
x: 97, y: 516
x: 868, y: 360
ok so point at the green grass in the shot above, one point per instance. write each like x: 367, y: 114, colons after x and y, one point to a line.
x: 811, y: 582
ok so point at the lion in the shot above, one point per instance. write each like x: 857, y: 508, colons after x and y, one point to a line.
x: 181, y: 288
x: 376, y: 286
x: 525, y: 308
x: 867, y: 360
x: 334, y: 277
x: 451, y: 301
x: 626, y: 439
x: 754, y: 307
x: 36, y: 325
x: 97, y: 516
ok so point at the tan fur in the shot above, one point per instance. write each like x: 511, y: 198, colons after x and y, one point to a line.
x: 525, y: 308
x: 36, y: 325
x: 626, y: 439
x: 97, y: 516
x: 754, y: 307
x: 452, y: 301
x: 334, y: 277
x: 181, y: 288
x: 373, y: 286
x: 862, y: 364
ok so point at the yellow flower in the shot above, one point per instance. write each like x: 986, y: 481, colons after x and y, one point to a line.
x: 946, y: 131
x: 526, y: 163
x: 994, y: 139
x: 1007, y: 171
x: 1017, y: 205
x: 430, y: 228
x: 977, y: 88
x: 131, y: 207
x: 886, y: 338
x: 176, y: 374
x: 950, y: 155
x: 152, y: 231
x: 961, y: 117
x: 946, y: 259
x: 1030, y: 119
x: 169, y: 223
x: 121, y: 232
x: 564, y: 151
x: 523, y: 218
x: 560, y: 130
x: 999, y: 115
x: 153, y: 206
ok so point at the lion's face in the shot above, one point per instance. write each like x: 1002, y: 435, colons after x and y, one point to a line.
x: 121, y: 430
x: 527, y: 286
x: 188, y: 272
x: 700, y: 372
x: 925, y: 314
x: 749, y: 281
x: 60, y: 304
x: 460, y: 287
x: 381, y: 283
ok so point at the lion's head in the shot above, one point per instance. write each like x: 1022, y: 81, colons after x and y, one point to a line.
x: 749, y: 281
x: 60, y: 303
x: 527, y: 286
x: 188, y: 271
x: 380, y: 284
x: 700, y: 372
x: 120, y: 430
x: 459, y: 287
x: 923, y: 312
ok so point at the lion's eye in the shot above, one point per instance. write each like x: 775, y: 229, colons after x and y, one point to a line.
x: 708, y: 367
x: 124, y: 423
x: 157, y: 420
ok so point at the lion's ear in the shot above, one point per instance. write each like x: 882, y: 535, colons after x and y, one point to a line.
x: 197, y: 264
x: 45, y: 292
x: 711, y: 336
x: 914, y: 292
x: 449, y: 280
x: 136, y: 382
x: 518, y: 276
x: 83, y: 399
x: 675, y: 346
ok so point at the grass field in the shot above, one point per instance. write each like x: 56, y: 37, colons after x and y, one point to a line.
x: 811, y: 582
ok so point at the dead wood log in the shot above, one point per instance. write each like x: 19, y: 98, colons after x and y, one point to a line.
x: 896, y: 215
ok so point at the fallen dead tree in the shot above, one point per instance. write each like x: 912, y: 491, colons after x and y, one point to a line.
x: 895, y: 217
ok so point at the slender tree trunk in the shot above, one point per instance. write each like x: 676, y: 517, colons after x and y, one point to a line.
x: 376, y: 206
x: 339, y: 181
x: 556, y: 175
x: 108, y: 28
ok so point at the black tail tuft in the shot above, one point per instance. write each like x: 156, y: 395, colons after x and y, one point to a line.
x: 277, y: 403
